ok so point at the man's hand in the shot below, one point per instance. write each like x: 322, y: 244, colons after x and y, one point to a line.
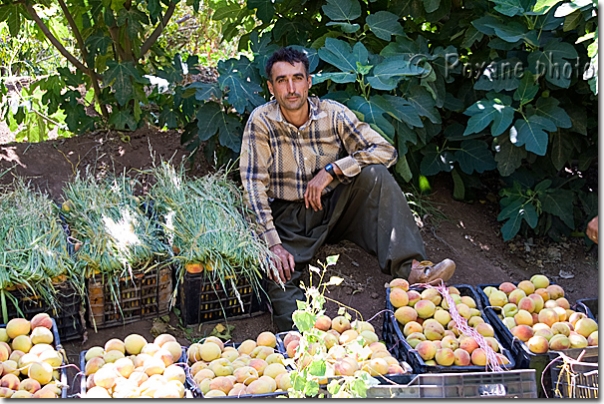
x: 284, y: 262
x: 314, y: 189
x: 592, y: 230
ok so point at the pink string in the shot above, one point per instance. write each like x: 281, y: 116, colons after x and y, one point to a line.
x: 462, y: 325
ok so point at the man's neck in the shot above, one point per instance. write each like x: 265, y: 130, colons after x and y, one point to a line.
x: 299, y: 117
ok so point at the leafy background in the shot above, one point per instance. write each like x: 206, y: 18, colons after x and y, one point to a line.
x: 498, y: 94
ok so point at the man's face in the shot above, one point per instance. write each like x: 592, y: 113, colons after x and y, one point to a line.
x: 290, y: 85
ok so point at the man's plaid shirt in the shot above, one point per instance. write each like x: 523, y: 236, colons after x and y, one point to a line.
x: 279, y: 159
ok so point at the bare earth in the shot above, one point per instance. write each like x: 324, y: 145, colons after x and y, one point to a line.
x: 469, y: 235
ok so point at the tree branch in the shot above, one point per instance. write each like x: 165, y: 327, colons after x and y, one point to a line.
x: 74, y: 28
x: 158, y: 30
x: 54, y: 40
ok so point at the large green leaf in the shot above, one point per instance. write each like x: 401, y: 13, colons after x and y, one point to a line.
x: 548, y: 108
x: 532, y: 133
x: 121, y: 119
x: 495, y: 110
x: 527, y: 89
x: 134, y: 19
x: 472, y: 35
x: 403, y: 169
x: 543, y: 6
x: 212, y: 120
x: 562, y: 149
x: 11, y: 13
x: 431, y: 5
x: 264, y: 9
x: 345, y: 27
x: 423, y: 102
x: 120, y: 75
x: 98, y: 42
x: 474, y: 155
x: 239, y: 79
x: 338, y: 77
x: 508, y: 157
x: 569, y: 7
x: 342, y: 10
x: 509, y: 7
x: 500, y: 76
x: 372, y: 112
x: 204, y: 91
x: 226, y: 11
x: 404, y: 135
x: 435, y: 161
x: 387, y: 74
x: 510, y: 31
x: 405, y: 112
x: 485, y: 24
x: 384, y: 24
x: 554, y: 62
x: 339, y: 54
x: 559, y: 202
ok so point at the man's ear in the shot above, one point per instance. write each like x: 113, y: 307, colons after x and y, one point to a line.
x: 270, y: 87
x: 309, y: 82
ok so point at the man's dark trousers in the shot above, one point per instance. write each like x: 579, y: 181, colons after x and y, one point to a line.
x: 371, y: 211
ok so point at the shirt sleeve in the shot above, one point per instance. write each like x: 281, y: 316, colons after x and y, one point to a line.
x: 364, y: 145
x: 255, y: 157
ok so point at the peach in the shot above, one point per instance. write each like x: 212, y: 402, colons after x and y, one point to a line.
x: 538, y: 344
x: 414, y: 297
x: 22, y: 343
x: 369, y: 336
x: 425, y: 308
x: 294, y: 335
x: 461, y: 357
x: 345, y: 366
x: 266, y: 338
x: 259, y: 365
x: 507, y: 287
x: 493, y: 343
x: 411, y: 327
x: 561, y: 312
x: 323, y: 322
x: 526, y: 286
x: 41, y: 320
x: 259, y: 387
x: 469, y: 301
x: 340, y: 324
x: 576, y: 341
x: 415, y: 338
x: 485, y: 329
x: 93, y: 365
x: 559, y: 342
x: 576, y: 316
x: 399, y: 283
x: 247, y: 346
x: 10, y: 381
x: 509, y: 322
x: 478, y: 357
x: 134, y: 343
x: 523, y: 317
x: 526, y: 303
x: 586, y: 326
x: 555, y: 291
x: 221, y: 383
x: 398, y: 298
x: 161, y: 339
x: 562, y: 302
x: 209, y: 351
x: 544, y: 332
x: 449, y: 342
x: 377, y: 366
x: 115, y: 343
x: 488, y: 290
x: 348, y: 336
x: 509, y: 310
x: 538, y: 300
x: 543, y: 293
x: 592, y: 339
x: 475, y: 320
x: 498, y: 298
x: 442, y: 316
x: 405, y: 314
x: 29, y: 384
x: 431, y: 294
x: 93, y: 352
x: 444, y: 357
x: 548, y: 316
x: 17, y: 326
x: 468, y: 344
x: 245, y: 375
x: 5, y: 352
x: 522, y: 332
x: 516, y: 295
x: 540, y: 281
x: 426, y: 350
x: 560, y: 328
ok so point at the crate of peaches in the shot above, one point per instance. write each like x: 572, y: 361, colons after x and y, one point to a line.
x: 442, y: 329
x: 253, y: 368
x: 347, y: 346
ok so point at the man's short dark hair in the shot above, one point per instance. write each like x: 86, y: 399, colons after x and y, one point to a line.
x: 289, y: 55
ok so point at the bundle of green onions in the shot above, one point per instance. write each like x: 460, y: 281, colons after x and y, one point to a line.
x: 34, y: 251
x: 207, y: 225
x: 112, y: 234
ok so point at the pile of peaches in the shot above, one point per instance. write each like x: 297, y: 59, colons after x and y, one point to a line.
x: 429, y: 329
x: 346, y: 346
x: 537, y: 313
x: 254, y: 367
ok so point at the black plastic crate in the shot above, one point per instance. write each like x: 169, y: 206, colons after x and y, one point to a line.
x: 68, y: 314
x: 411, y: 356
x: 203, y: 300
x: 575, y: 376
x: 56, y: 343
x: 145, y: 295
x: 588, y: 306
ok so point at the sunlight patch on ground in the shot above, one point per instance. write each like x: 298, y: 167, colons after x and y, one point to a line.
x: 9, y: 153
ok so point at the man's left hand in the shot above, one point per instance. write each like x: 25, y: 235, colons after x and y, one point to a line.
x: 314, y: 190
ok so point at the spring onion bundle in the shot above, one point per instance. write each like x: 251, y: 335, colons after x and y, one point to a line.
x: 112, y: 234
x: 34, y: 252
x: 206, y: 224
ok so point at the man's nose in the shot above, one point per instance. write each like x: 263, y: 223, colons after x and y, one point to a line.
x: 290, y: 86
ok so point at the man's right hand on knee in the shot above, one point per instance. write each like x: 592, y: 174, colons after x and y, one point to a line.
x: 284, y: 262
